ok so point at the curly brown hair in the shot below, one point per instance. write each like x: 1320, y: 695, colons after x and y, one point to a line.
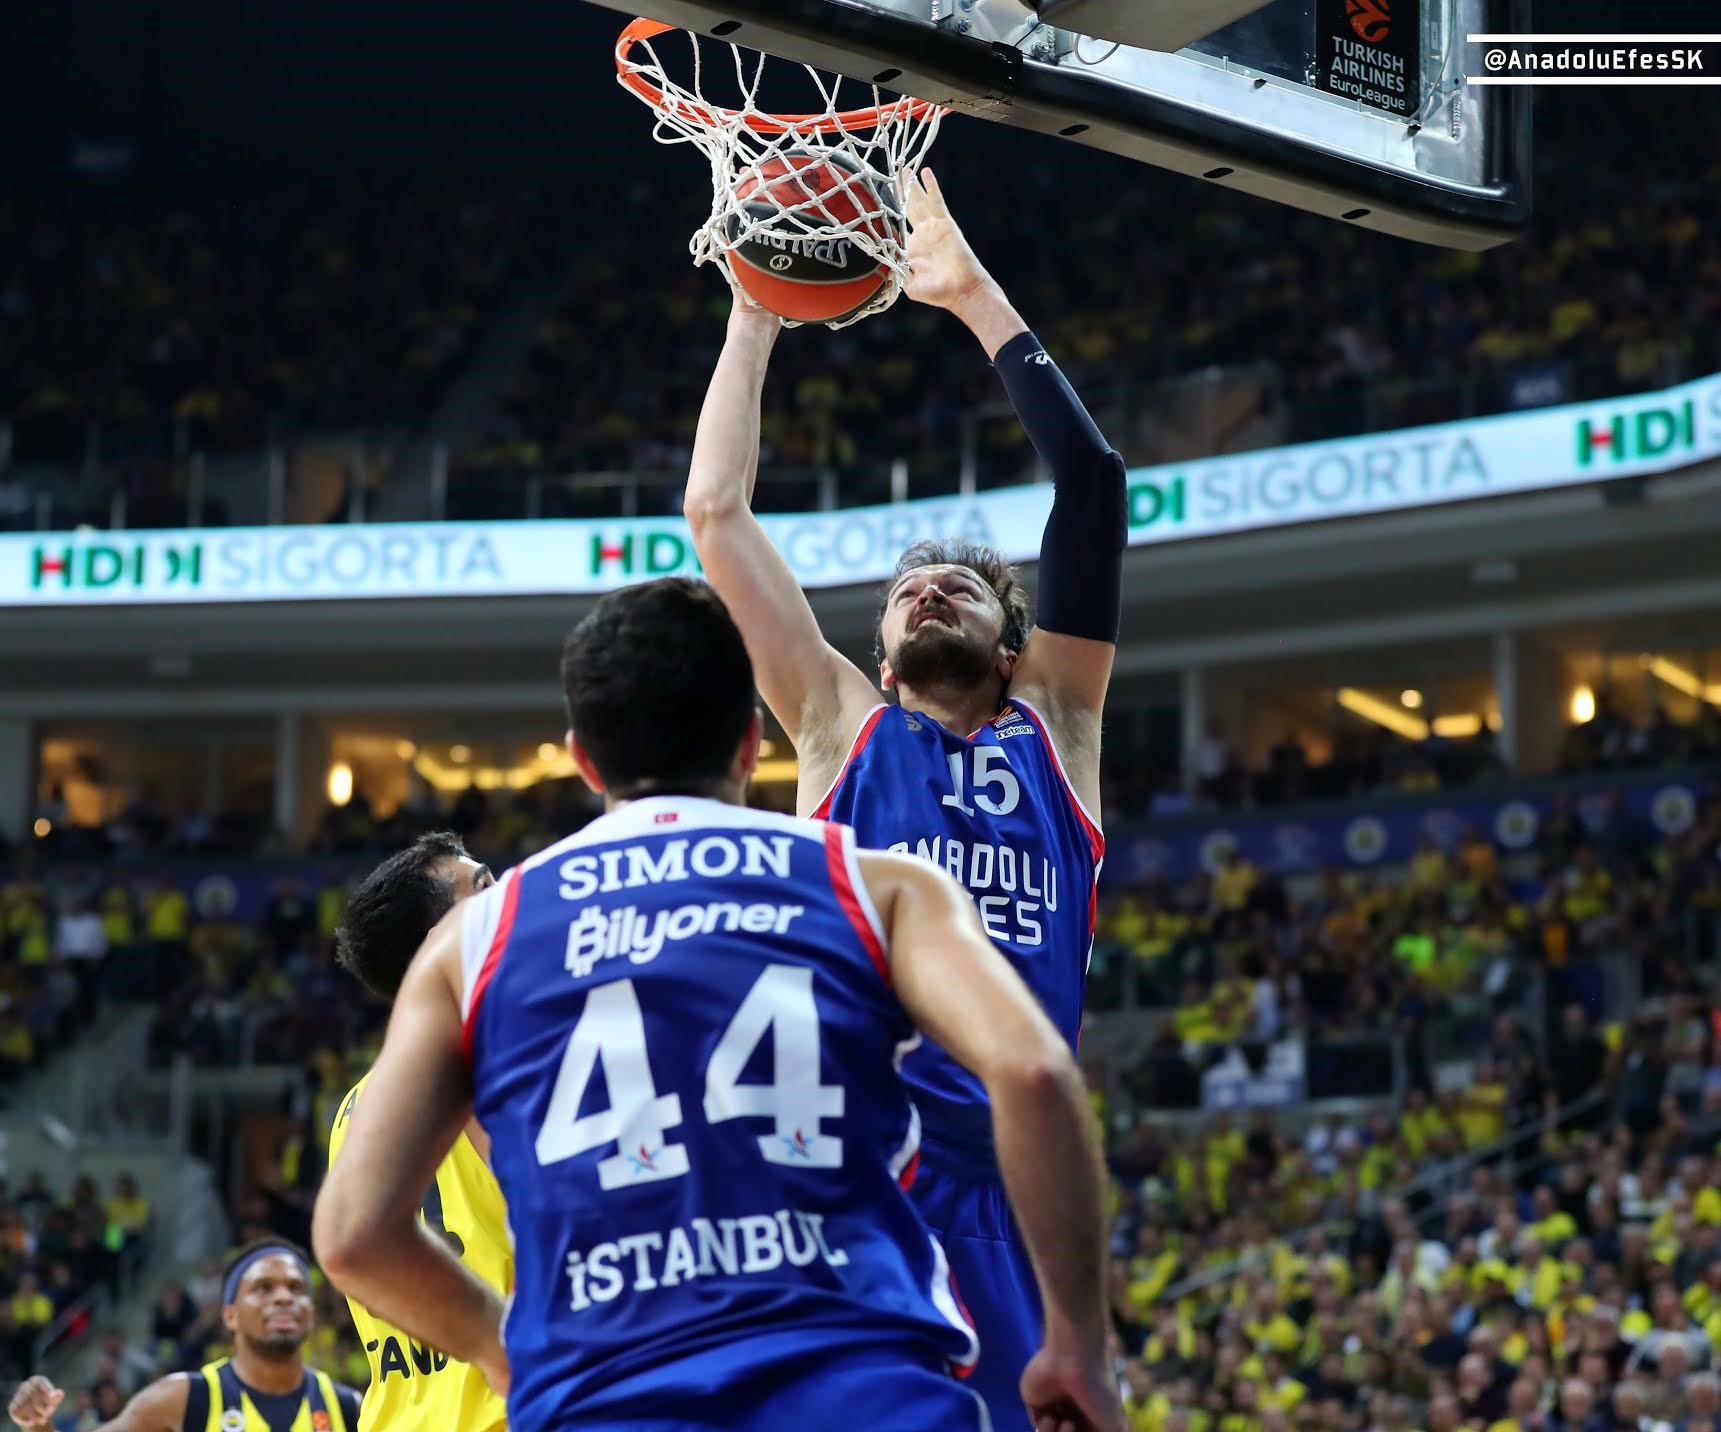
x: 986, y: 563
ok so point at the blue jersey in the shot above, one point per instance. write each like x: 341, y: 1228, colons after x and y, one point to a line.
x: 996, y: 810
x: 685, y: 1050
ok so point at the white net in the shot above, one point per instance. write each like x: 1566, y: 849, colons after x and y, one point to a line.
x: 751, y: 149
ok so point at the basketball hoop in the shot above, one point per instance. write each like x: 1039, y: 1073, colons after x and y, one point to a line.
x: 749, y: 148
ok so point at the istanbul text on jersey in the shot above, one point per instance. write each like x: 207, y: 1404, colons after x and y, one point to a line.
x: 752, y: 1244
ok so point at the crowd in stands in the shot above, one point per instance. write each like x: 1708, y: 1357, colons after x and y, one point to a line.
x: 352, y: 310
x: 1612, y: 741
x: 1576, y: 1290
x: 1429, y: 1250
x: 56, y: 1248
x: 1364, y: 759
x: 52, y: 946
x: 220, y: 326
x: 1248, y: 956
x: 1605, y: 296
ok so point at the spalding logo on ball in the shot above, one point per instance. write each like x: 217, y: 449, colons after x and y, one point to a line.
x: 796, y: 268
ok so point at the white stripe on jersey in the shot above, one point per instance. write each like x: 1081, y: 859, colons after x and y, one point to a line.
x: 863, y: 897
x: 910, y: 1142
x: 944, y: 1299
x: 479, y: 917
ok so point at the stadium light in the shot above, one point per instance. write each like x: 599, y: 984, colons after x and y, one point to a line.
x: 1684, y: 680
x: 1382, y: 713
x: 1458, y: 726
x: 340, y: 783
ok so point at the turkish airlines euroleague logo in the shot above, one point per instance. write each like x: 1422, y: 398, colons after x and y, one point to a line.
x: 1371, y: 19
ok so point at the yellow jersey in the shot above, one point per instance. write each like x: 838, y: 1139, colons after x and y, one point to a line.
x: 414, y: 1388
x: 217, y: 1401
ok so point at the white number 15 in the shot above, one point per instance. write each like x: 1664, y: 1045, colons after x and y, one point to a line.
x: 991, y: 771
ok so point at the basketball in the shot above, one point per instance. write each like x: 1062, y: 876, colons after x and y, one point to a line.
x: 812, y: 276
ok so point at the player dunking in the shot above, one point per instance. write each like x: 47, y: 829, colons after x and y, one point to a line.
x: 679, y: 1028
x: 989, y: 762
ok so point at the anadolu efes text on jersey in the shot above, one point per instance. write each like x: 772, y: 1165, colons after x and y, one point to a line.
x: 685, y: 1050
x: 996, y: 810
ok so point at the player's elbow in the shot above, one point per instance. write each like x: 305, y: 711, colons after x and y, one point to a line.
x: 342, y: 1231
x: 708, y: 508
x: 1039, y: 1074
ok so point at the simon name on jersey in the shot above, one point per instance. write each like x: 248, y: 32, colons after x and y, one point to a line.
x: 709, y: 857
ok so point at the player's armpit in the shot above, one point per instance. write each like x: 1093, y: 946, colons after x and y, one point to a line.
x: 1071, y: 674
x: 1064, y: 678
x: 811, y: 688
x: 366, y: 1229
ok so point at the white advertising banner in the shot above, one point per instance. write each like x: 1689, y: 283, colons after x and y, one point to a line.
x: 1310, y: 482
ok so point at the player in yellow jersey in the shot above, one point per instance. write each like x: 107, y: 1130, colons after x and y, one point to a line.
x: 263, y: 1387
x: 414, y: 1388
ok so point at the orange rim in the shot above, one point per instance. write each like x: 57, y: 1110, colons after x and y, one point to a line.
x: 714, y: 116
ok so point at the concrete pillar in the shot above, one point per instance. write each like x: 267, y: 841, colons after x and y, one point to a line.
x: 17, y: 777
x: 1507, y: 694
x: 1531, y: 686
x: 1194, y: 709
x: 287, y: 741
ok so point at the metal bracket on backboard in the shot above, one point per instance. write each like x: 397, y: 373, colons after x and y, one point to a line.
x: 999, y: 22
x: 1167, y: 25
x: 1249, y: 132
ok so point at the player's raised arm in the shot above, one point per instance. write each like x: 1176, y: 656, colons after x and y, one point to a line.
x: 366, y: 1229
x: 816, y: 693
x: 960, y: 991
x: 1068, y: 660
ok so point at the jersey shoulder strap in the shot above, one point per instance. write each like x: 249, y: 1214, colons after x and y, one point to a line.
x: 325, y: 1403
x: 227, y: 1406
x: 202, y: 1400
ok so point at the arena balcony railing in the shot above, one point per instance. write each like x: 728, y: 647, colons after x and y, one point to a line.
x: 145, y: 474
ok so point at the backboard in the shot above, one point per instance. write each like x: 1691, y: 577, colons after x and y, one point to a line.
x: 1355, y: 109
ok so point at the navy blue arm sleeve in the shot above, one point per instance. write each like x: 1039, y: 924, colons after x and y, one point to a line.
x: 1081, y: 551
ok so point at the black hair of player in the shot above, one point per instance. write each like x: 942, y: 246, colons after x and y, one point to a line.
x: 659, y: 688
x: 394, y: 908
x: 987, y: 563
x: 241, y: 1254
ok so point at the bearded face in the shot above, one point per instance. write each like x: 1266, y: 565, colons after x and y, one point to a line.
x: 941, y: 628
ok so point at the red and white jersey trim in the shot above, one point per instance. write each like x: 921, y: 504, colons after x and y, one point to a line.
x: 486, y: 922
x: 949, y: 1304
x: 853, y: 896
x: 822, y: 810
x: 1096, y: 836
